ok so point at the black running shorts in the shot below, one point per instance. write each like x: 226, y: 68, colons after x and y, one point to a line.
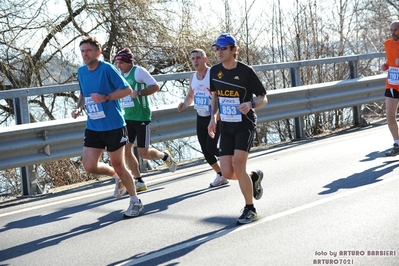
x: 391, y: 93
x: 235, y: 139
x: 110, y: 140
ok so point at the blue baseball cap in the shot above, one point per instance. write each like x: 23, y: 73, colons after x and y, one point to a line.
x: 225, y: 39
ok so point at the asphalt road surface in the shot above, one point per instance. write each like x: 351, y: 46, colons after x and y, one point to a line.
x: 327, y: 201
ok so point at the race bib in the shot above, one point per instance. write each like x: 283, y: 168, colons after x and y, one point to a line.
x: 94, y: 110
x: 128, y: 101
x: 229, y: 109
x: 393, y: 76
x: 201, y: 101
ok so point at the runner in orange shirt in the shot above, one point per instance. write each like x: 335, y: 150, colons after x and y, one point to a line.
x: 392, y: 84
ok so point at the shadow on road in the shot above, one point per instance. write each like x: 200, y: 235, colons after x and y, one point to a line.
x: 172, y: 252
x: 103, y: 221
x: 49, y: 241
x: 364, y: 178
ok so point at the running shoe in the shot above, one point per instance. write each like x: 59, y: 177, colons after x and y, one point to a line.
x: 219, y: 181
x: 247, y: 216
x: 140, y: 186
x: 170, y: 162
x: 394, y: 151
x: 134, y: 209
x: 257, y: 177
x: 120, y: 189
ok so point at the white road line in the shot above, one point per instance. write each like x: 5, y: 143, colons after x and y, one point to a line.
x: 218, y: 234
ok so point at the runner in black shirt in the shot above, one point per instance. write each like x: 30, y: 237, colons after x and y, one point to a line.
x: 235, y: 85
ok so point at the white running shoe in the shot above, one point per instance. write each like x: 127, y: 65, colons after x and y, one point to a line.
x: 134, y: 209
x: 219, y: 181
x: 120, y: 189
x: 140, y: 186
x: 170, y: 162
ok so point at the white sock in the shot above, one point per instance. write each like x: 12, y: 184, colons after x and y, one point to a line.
x: 134, y: 198
x: 116, y: 177
x: 397, y: 141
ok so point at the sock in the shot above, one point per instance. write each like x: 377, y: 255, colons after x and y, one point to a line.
x: 397, y: 141
x: 134, y: 198
x: 165, y: 157
x: 139, y: 179
x: 219, y: 173
x: 116, y: 177
x: 250, y: 207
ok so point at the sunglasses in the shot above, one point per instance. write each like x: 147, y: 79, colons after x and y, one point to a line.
x: 217, y: 47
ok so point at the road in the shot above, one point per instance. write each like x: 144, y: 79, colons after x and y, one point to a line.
x: 331, y: 200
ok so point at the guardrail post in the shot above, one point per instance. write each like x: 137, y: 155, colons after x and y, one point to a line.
x: 21, y: 110
x: 298, y: 121
x: 29, y: 185
x: 357, y: 116
x: 21, y: 113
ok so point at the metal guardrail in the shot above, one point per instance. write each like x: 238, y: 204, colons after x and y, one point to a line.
x: 21, y: 100
x: 35, y: 143
x: 312, y: 99
x: 29, y: 144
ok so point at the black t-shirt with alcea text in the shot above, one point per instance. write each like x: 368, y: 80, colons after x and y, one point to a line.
x: 236, y: 86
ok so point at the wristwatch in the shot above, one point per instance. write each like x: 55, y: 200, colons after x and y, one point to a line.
x: 139, y: 93
x: 107, y: 98
x: 253, y: 103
